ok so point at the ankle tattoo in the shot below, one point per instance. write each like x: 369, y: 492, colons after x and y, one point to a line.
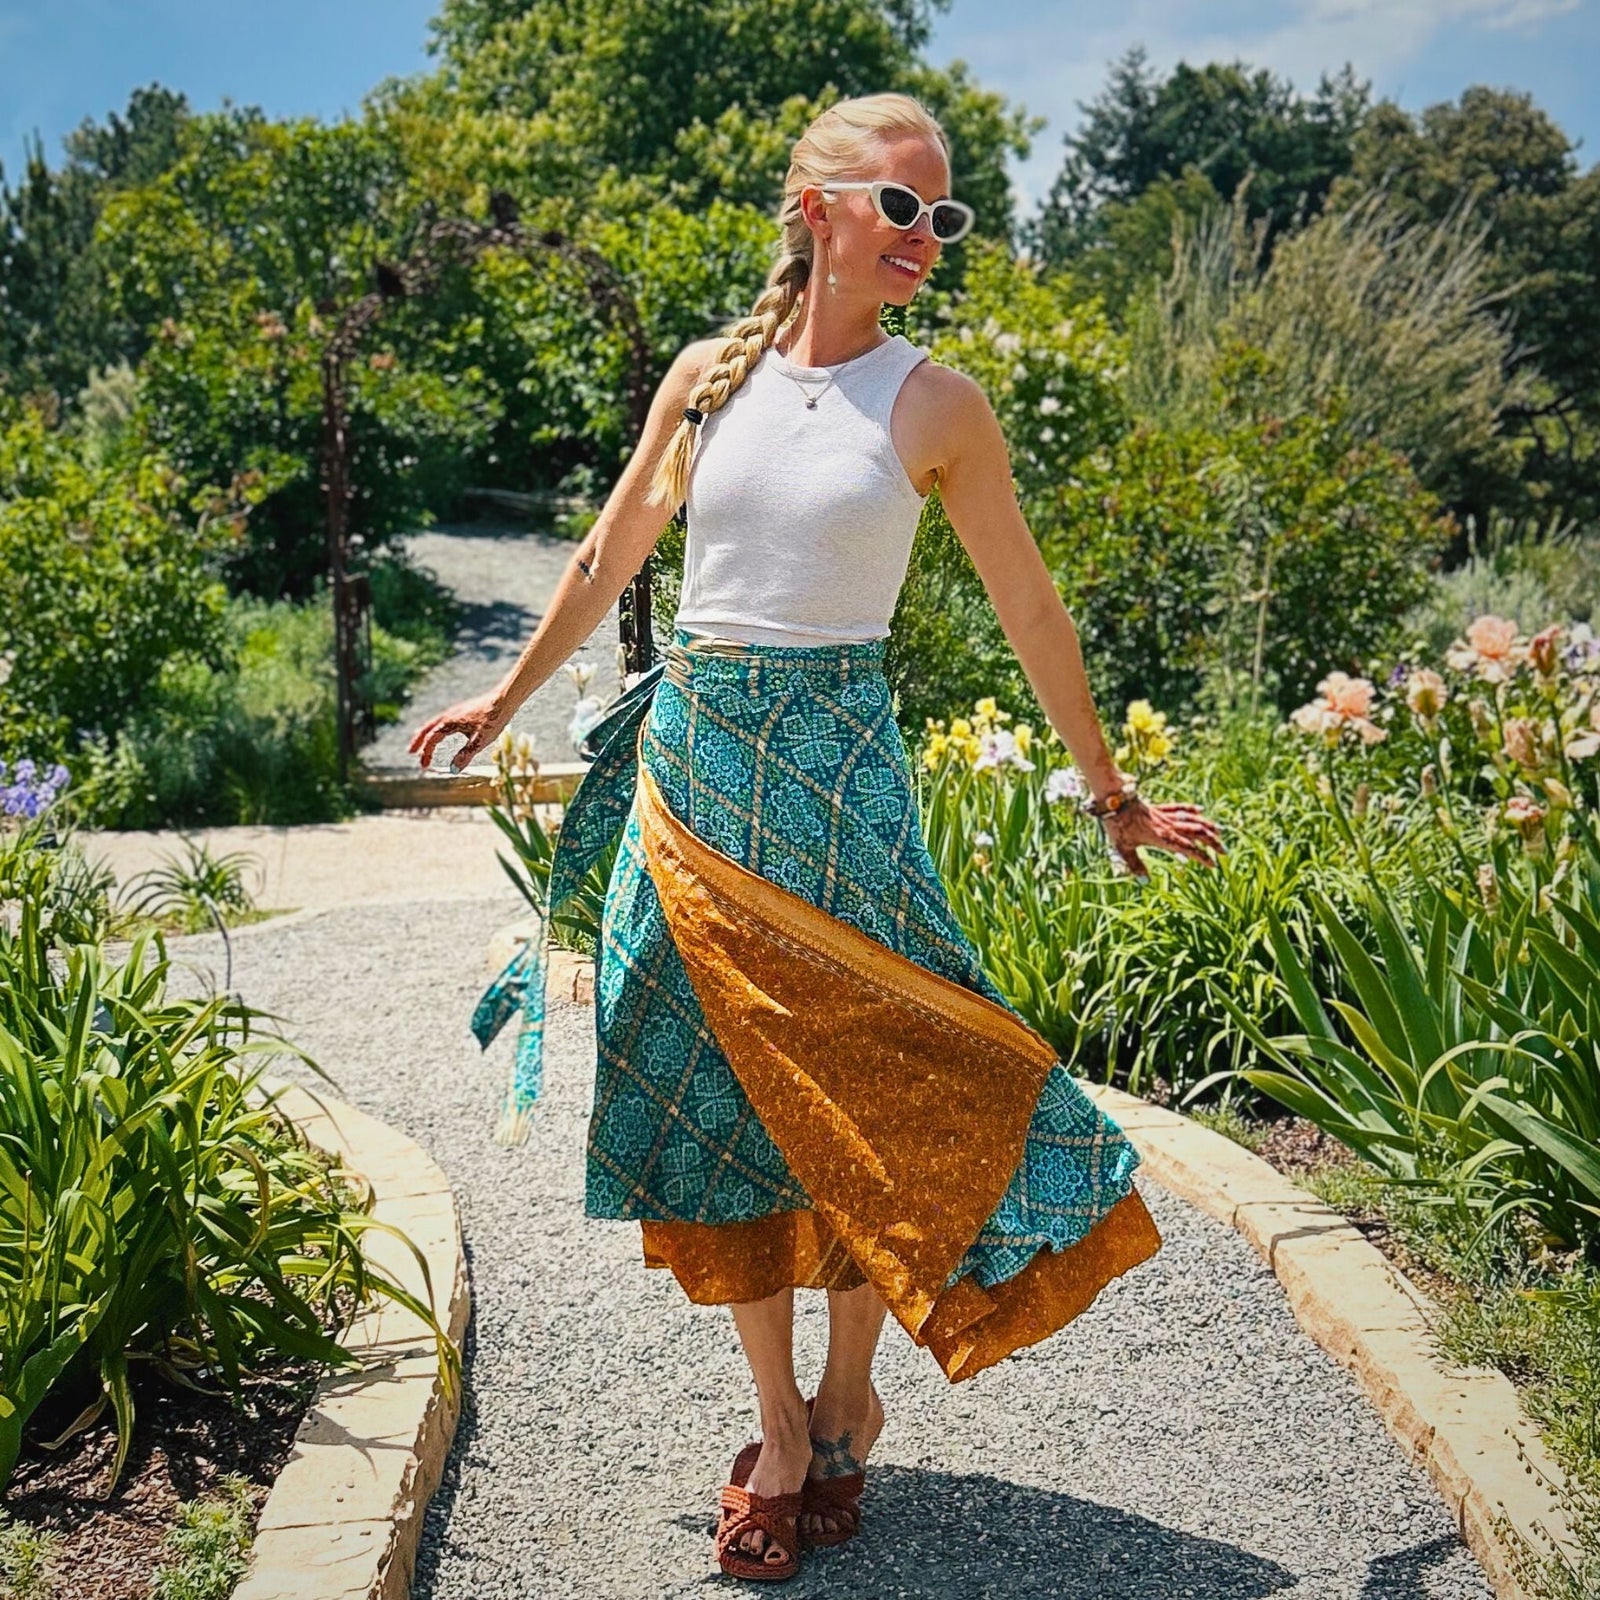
x: 835, y: 1456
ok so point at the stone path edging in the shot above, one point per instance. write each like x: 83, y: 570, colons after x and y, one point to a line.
x: 1462, y: 1424
x: 344, y: 1517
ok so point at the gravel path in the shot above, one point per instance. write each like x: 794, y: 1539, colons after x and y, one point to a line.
x: 504, y: 577
x: 1182, y: 1438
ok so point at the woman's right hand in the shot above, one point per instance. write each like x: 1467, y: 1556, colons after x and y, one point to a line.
x: 481, y: 719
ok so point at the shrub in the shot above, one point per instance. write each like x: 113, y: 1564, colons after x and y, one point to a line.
x: 152, y: 1201
x: 105, y: 576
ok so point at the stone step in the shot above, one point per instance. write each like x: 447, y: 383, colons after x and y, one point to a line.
x: 410, y: 788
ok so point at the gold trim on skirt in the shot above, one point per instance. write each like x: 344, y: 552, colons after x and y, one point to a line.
x: 899, y: 1099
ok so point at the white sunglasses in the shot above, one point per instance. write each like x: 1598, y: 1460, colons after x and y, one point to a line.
x: 903, y: 208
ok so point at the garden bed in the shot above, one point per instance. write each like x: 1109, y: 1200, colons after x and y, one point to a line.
x: 186, y: 1447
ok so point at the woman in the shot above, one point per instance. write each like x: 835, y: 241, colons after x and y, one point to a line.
x: 805, y: 1078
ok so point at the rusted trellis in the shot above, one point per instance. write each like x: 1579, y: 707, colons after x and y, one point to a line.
x: 442, y: 241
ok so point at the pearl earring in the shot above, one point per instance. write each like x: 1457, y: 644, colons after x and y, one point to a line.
x: 833, y: 282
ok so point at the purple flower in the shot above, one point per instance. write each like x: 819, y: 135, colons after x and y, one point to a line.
x: 27, y: 795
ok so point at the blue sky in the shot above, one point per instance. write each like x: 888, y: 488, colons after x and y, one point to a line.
x: 63, y: 60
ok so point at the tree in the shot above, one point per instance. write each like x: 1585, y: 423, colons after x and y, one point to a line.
x: 56, y: 320
x: 1220, y: 121
x: 694, y: 100
x: 1543, y: 217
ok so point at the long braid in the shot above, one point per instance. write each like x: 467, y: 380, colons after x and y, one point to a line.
x: 733, y: 363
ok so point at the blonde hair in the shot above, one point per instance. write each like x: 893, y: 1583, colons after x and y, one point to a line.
x: 838, y: 143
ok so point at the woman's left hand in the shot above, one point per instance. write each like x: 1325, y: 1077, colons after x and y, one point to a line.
x: 1174, y: 826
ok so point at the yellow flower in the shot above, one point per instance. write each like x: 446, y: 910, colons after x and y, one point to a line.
x: 1143, y: 718
x: 960, y: 728
x: 935, y: 751
x: 1024, y: 736
x: 986, y: 707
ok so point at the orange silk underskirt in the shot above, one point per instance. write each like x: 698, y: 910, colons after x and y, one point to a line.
x: 905, y: 1141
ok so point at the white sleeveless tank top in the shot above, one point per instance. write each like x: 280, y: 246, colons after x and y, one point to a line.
x: 800, y: 521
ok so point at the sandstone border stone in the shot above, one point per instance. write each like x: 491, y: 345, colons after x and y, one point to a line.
x: 344, y: 1518
x: 1463, y: 1425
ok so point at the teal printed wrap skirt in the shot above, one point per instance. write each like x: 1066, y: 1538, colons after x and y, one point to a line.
x: 787, y: 760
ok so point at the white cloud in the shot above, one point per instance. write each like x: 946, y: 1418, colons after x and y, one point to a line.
x: 1491, y: 13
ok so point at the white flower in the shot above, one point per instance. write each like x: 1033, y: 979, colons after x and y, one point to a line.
x: 999, y: 749
x: 1049, y: 405
x: 982, y: 839
x: 1047, y: 435
x: 580, y: 672
x: 584, y: 716
x: 1064, y: 783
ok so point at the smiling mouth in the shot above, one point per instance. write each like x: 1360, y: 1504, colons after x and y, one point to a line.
x: 910, y: 272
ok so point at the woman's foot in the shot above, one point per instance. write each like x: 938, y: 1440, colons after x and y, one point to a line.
x: 781, y: 1468
x: 843, y: 1431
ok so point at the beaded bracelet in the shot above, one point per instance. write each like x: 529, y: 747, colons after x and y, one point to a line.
x: 1112, y: 803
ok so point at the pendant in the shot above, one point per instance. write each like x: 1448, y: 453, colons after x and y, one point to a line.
x: 811, y: 405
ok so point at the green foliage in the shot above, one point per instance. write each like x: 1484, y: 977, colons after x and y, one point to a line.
x: 105, y: 578
x: 544, y: 99
x: 564, y: 367
x: 211, y: 1543
x: 1542, y: 213
x: 253, y: 742
x: 516, y: 814
x: 1466, y: 1064
x: 29, y: 1561
x: 241, y: 392
x: 153, y: 1203
x: 194, y: 892
x: 225, y: 258
x: 57, y: 321
x: 1515, y: 1306
x: 1367, y: 314
x: 106, y: 405
x: 1219, y: 123
x: 1258, y: 553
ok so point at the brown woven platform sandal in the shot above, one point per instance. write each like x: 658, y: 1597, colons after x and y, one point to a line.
x: 774, y: 1514
x: 838, y: 1498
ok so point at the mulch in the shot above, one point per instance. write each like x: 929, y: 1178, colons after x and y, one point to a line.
x: 1297, y: 1147
x: 184, y: 1444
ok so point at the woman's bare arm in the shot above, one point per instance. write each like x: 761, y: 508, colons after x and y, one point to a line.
x: 624, y: 533
x: 976, y: 489
x: 974, y: 477
x: 615, y: 548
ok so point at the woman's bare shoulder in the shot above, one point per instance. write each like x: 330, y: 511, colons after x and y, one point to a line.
x: 940, y: 405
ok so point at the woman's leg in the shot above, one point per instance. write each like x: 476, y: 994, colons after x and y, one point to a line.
x: 766, y: 1329
x: 847, y: 1416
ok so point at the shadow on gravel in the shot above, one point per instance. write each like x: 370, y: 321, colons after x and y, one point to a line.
x: 930, y: 1535
x: 1399, y: 1577
x: 493, y: 626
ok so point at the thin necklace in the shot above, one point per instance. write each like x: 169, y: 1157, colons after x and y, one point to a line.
x: 810, y: 398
